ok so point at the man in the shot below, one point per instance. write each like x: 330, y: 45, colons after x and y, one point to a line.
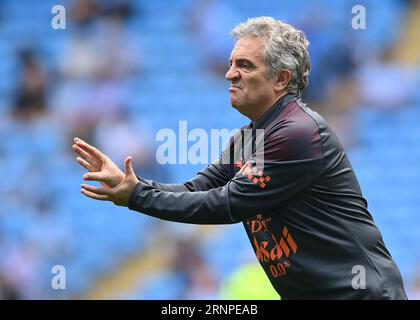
x: 302, y: 207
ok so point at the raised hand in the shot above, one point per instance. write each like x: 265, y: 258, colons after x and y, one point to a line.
x: 120, y: 194
x: 100, y: 167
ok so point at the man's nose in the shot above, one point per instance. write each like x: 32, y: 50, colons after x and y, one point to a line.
x: 232, y: 74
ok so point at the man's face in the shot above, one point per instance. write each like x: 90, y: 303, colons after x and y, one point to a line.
x: 250, y: 88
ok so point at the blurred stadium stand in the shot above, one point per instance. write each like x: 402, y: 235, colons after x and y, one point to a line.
x: 146, y: 65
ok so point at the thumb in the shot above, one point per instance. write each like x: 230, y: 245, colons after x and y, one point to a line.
x: 128, y: 167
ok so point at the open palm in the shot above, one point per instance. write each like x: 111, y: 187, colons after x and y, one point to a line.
x: 100, y: 167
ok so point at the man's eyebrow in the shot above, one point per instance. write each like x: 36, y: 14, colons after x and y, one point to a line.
x: 242, y: 60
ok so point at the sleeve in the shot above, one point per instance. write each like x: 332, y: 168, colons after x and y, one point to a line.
x: 212, y: 176
x: 292, y: 163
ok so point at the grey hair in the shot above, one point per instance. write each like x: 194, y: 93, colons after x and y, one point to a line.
x: 285, y: 48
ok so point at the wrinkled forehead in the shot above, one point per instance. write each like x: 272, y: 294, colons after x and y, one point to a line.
x: 250, y: 48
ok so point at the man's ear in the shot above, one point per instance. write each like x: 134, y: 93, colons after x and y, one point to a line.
x: 282, y: 80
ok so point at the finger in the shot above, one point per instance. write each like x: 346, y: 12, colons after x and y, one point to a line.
x: 95, y: 176
x: 97, y: 190
x: 92, y: 151
x: 93, y: 195
x: 82, y: 153
x: 85, y: 164
x: 128, y: 167
x: 78, y: 139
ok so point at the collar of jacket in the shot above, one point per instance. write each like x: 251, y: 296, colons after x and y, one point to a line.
x: 274, y: 111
